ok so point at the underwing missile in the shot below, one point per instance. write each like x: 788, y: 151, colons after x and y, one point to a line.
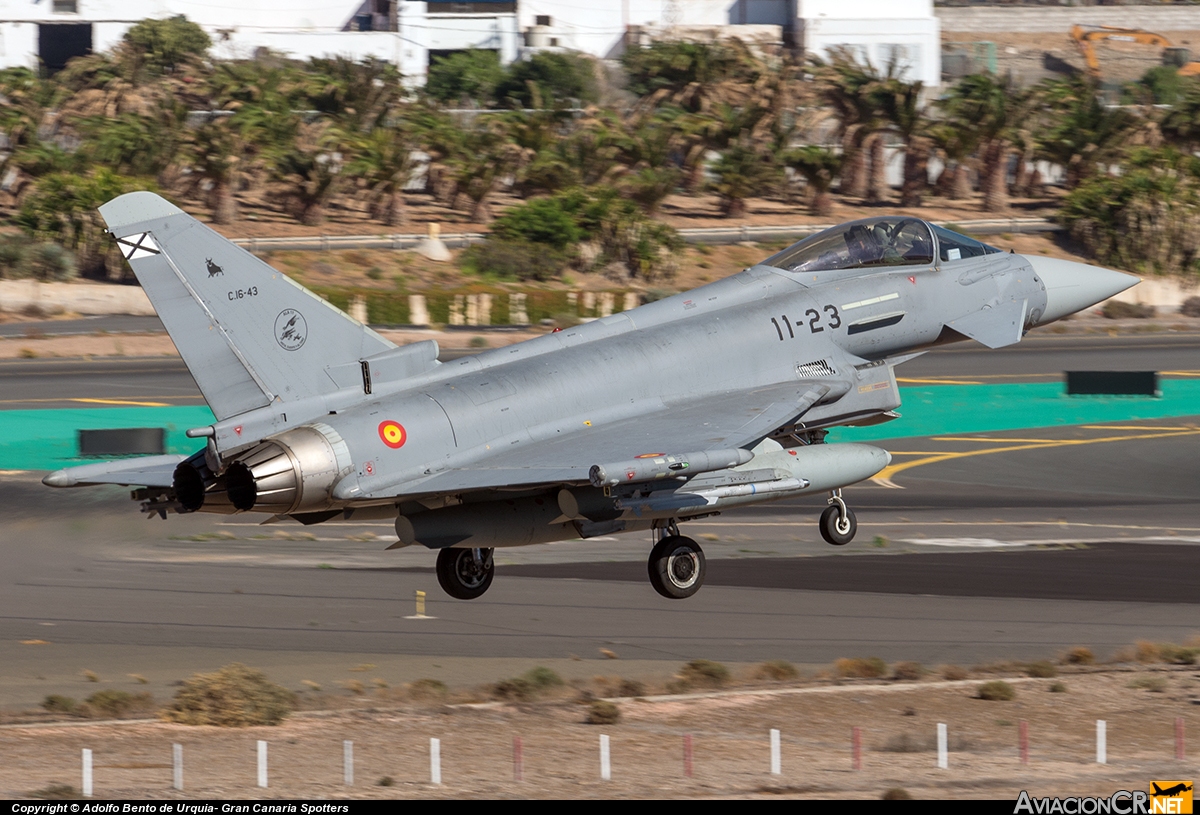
x: 653, y: 466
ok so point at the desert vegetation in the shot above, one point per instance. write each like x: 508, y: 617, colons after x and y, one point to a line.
x: 590, y: 151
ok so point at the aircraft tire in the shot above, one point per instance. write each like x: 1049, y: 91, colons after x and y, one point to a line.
x: 458, y: 575
x: 676, y: 567
x: 829, y: 526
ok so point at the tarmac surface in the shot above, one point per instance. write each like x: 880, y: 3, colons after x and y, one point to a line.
x: 1040, y: 357
x: 971, y: 548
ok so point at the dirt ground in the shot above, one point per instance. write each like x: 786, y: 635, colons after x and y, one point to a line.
x: 1030, y: 57
x: 729, y: 732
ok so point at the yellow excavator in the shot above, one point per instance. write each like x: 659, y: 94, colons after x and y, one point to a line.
x: 1084, y: 36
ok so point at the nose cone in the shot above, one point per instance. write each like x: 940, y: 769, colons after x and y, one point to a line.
x: 1072, y: 287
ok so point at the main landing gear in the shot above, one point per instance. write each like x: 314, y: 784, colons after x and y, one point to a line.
x: 838, y: 523
x: 465, y: 574
x: 676, y: 564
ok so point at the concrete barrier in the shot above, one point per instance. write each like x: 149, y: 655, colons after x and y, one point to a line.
x: 34, y: 297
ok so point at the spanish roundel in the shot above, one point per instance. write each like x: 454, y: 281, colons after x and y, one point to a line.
x: 393, y: 434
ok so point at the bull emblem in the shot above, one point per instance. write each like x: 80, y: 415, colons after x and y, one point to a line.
x: 213, y: 269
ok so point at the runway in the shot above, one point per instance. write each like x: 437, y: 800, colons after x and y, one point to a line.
x: 1040, y: 357
x: 972, y: 547
x: 1014, y: 553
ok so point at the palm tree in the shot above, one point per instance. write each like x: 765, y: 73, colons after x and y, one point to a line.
x: 1077, y: 131
x: 481, y: 160
x: 1181, y: 124
x: 311, y: 169
x: 741, y: 172
x: 901, y: 103
x: 820, y: 167
x: 955, y: 141
x: 360, y: 95
x: 382, y: 159
x: 995, y: 109
x: 851, y: 89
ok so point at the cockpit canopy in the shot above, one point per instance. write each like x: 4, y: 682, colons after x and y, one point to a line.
x: 886, y: 241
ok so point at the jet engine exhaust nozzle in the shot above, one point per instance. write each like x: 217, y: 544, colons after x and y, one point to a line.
x: 292, y: 472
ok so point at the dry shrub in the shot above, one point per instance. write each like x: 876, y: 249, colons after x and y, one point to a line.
x: 631, y: 687
x: 897, y: 794
x: 1145, y: 651
x: 114, y: 704
x: 1154, y: 684
x: 908, y: 671
x: 235, y: 696
x: 1190, y: 307
x: 1177, y: 654
x: 530, y: 685
x: 1058, y: 687
x: 602, y: 712
x: 996, y: 691
x: 59, y: 704
x: 955, y: 673
x: 703, y: 673
x: 1041, y: 670
x: 1119, y: 310
x: 777, y: 670
x: 56, y: 791
x: 855, y: 668
x: 1079, y: 655
x: 428, y: 690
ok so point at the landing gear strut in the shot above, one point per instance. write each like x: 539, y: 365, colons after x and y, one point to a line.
x: 465, y: 574
x: 838, y: 523
x: 676, y: 564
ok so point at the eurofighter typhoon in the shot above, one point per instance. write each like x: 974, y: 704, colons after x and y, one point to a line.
x: 698, y: 404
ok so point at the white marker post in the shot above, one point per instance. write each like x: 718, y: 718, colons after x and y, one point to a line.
x: 943, y: 751
x: 177, y: 766
x: 435, y: 761
x: 1101, y: 741
x: 348, y: 763
x: 87, y: 773
x: 776, y: 758
x: 262, y: 763
x: 605, y: 760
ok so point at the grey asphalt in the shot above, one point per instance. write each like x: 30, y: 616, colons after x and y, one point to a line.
x: 1012, y: 554
x: 1016, y: 555
x: 51, y: 383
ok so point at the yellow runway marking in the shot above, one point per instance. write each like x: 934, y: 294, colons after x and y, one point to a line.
x: 101, y: 401
x: 916, y: 452
x: 1136, y: 427
x: 119, y: 402
x: 997, y: 440
x: 908, y: 381
x: 1179, y: 373
x: 885, y: 476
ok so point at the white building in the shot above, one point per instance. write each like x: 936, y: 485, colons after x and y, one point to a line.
x: 409, y: 33
x: 49, y: 32
x: 878, y: 31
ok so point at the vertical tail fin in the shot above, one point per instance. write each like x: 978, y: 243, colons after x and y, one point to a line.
x: 248, y: 334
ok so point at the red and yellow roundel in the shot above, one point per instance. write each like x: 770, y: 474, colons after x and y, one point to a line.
x: 393, y: 434
x: 650, y: 455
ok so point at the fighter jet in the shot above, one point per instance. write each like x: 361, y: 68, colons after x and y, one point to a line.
x: 691, y: 406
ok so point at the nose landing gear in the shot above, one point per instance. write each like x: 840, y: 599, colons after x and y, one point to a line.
x: 838, y: 524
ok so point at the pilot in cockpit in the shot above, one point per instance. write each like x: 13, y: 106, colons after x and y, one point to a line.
x: 862, y: 245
